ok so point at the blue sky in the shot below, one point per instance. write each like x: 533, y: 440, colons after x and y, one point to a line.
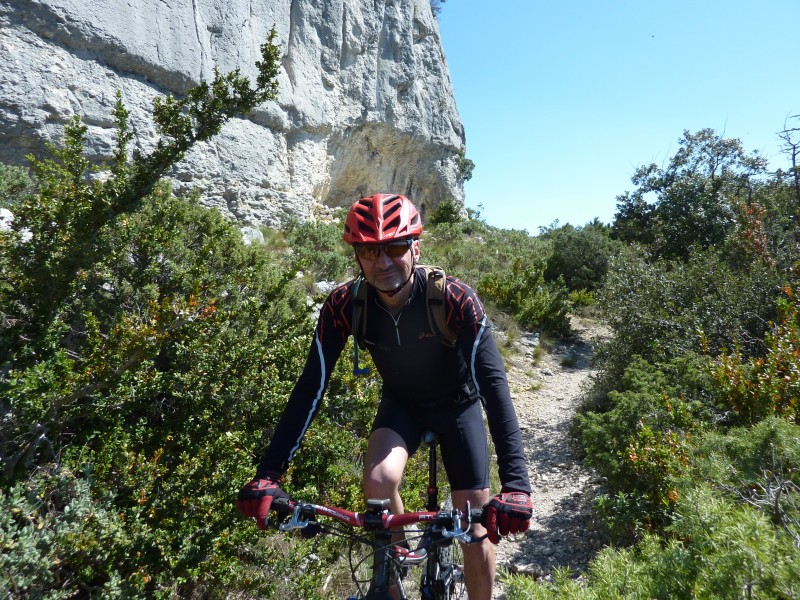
x: 562, y: 101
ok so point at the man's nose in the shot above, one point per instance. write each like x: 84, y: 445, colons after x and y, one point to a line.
x: 383, y: 259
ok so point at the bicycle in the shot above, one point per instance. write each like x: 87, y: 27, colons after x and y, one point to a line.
x: 382, y: 566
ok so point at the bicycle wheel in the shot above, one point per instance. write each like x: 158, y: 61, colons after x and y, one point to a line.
x: 361, y: 558
x: 362, y: 562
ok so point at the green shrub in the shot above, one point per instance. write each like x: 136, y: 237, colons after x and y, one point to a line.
x: 718, y: 550
x: 582, y: 299
x: 758, y: 466
x: 53, y: 532
x: 318, y: 251
x: 448, y: 211
x: 169, y: 378
x: 15, y: 182
x: 756, y: 388
x: 506, y: 268
x: 580, y: 255
x: 522, y: 291
x: 640, y: 440
x: 663, y: 309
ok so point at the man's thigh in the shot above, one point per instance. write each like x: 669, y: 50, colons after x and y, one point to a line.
x: 465, y: 450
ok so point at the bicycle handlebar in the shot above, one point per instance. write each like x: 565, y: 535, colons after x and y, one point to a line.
x: 303, y: 514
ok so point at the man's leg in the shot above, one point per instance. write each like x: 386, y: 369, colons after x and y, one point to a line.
x: 386, y: 461
x: 479, y: 565
x: 383, y: 469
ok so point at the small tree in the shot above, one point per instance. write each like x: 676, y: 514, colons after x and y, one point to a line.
x: 465, y: 166
x: 69, y: 210
x: 694, y: 195
x: 448, y: 211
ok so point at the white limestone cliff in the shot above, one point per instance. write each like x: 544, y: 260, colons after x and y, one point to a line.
x: 365, y: 102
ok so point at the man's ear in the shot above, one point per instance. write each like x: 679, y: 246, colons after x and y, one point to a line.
x: 415, y: 249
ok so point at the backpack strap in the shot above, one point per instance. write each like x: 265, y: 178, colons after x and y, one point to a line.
x: 358, y: 323
x: 435, y: 293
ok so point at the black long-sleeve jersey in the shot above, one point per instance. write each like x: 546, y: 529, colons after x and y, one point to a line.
x: 416, y: 368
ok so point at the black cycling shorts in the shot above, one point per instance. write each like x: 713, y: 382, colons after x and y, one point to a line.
x: 462, y: 438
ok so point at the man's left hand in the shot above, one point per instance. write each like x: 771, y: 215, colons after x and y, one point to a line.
x: 508, y: 512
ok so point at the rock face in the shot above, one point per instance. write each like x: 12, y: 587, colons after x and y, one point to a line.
x: 365, y: 102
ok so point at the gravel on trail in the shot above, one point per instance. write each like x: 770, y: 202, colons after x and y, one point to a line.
x: 547, y: 391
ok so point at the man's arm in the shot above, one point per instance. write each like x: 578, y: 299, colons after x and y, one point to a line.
x: 467, y: 317
x: 490, y: 377
x: 303, y: 405
x: 255, y: 498
x: 511, y: 510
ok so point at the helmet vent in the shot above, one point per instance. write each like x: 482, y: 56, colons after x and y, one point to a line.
x: 367, y: 214
x: 392, y: 224
x: 391, y: 211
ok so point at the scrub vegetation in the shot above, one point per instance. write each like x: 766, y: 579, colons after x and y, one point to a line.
x: 146, y: 352
x: 693, y: 418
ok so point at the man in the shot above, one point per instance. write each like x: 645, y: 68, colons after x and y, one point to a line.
x: 427, y: 385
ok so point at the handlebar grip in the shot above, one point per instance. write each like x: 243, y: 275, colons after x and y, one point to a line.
x: 478, y: 515
x: 281, y: 505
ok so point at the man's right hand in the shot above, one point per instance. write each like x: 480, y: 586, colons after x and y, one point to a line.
x: 508, y: 512
x: 256, y: 497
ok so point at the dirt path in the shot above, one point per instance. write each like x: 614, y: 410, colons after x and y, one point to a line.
x: 546, y: 393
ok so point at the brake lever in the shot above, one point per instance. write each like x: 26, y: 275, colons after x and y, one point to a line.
x: 458, y: 533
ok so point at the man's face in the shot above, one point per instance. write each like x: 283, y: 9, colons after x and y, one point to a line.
x: 388, y: 266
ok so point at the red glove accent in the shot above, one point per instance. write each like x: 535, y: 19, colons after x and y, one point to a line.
x: 508, y: 512
x: 256, y: 497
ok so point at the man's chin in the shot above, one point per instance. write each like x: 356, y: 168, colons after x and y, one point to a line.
x: 388, y: 286
x: 387, y: 283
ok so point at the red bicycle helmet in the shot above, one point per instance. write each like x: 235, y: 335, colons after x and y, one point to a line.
x: 381, y: 218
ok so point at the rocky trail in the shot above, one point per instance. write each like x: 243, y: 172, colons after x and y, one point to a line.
x: 547, y: 391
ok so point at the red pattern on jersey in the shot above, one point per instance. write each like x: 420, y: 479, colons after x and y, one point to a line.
x: 337, y: 313
x: 462, y: 307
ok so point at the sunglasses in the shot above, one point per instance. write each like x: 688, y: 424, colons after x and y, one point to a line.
x: 392, y: 249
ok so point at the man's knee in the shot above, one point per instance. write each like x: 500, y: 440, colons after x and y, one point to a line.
x: 380, y: 480
x: 480, y: 555
x: 385, y: 462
